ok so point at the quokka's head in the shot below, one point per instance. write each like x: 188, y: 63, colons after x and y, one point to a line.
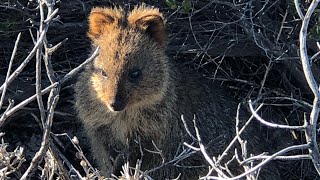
x: 131, y: 70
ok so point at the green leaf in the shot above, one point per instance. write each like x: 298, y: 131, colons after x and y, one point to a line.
x: 314, y: 32
x: 186, y: 5
x: 172, y: 4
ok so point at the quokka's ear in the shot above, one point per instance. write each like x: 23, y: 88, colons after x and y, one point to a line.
x: 149, y: 20
x: 103, y: 19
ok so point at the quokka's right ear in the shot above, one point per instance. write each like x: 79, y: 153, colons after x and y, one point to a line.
x: 102, y: 20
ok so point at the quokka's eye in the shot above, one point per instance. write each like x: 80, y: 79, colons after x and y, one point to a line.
x: 103, y: 73
x: 135, y: 74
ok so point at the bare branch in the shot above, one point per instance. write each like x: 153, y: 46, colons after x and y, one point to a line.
x: 254, y: 113
x: 47, y: 89
x: 292, y: 157
x: 4, y: 116
x: 204, y: 153
x: 45, y: 142
x: 9, y: 69
x: 25, y: 62
x: 235, y: 138
x: 311, y: 131
x: 298, y: 9
x: 38, y: 82
x: 255, y: 168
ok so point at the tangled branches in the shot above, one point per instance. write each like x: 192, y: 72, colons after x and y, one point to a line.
x: 263, y: 56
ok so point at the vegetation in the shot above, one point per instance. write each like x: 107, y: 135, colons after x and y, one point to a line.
x: 265, y: 53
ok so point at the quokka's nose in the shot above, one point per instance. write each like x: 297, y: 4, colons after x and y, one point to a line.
x: 117, y: 104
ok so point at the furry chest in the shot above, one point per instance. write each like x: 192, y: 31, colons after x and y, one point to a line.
x: 131, y: 127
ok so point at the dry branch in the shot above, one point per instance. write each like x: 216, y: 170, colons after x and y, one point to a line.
x: 265, y: 161
x: 46, y: 137
x: 9, y: 69
x: 311, y: 132
x: 274, y: 125
x: 47, y: 89
x: 46, y: 118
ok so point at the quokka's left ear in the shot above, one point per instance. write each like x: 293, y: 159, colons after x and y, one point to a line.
x: 149, y: 20
x: 103, y: 20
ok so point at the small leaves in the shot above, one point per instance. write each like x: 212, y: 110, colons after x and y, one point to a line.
x: 186, y: 5
x: 315, y: 31
x: 171, y: 3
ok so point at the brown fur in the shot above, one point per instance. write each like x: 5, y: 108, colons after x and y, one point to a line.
x: 152, y: 104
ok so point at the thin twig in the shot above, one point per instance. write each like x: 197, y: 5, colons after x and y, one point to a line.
x: 283, y: 151
x: 298, y: 9
x: 45, y: 141
x: 57, y: 154
x: 243, y: 143
x: 292, y: 158
x: 274, y: 125
x: 225, y: 152
x: 204, y: 153
x: 25, y: 62
x: 47, y: 89
x: 4, y: 116
x: 9, y: 69
x: 47, y: 60
x: 38, y: 81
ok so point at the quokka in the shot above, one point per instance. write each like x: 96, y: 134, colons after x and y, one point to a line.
x: 131, y: 98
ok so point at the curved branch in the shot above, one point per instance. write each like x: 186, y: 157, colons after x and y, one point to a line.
x: 274, y: 125
x: 311, y: 130
x: 298, y: 9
